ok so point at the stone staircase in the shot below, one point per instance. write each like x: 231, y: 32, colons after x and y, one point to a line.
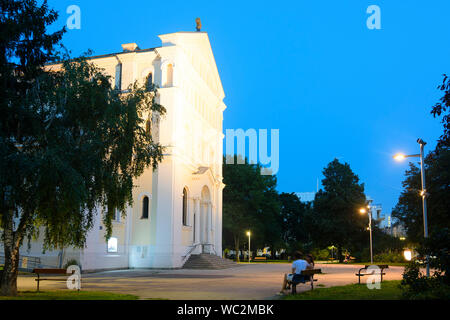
x: 208, y: 261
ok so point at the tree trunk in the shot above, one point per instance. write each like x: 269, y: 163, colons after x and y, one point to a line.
x: 339, y: 253
x: 8, y: 281
x: 11, y: 244
x: 236, y: 247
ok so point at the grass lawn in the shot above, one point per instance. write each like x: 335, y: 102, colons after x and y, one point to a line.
x: 401, y: 264
x: 70, y: 295
x: 389, y: 291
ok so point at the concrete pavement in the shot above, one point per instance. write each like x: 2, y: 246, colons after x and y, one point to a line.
x: 246, y: 282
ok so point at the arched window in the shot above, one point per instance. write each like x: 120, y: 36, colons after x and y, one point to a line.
x: 149, y: 83
x: 185, y: 207
x: 169, y: 76
x: 145, y: 205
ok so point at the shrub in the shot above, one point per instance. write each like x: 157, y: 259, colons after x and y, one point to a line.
x: 71, y: 262
x: 389, y: 256
x: 319, y: 254
x: 416, y: 286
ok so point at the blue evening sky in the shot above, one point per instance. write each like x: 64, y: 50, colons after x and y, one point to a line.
x: 311, y: 69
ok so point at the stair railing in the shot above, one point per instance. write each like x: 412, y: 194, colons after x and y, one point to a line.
x: 212, y: 250
x: 189, y: 252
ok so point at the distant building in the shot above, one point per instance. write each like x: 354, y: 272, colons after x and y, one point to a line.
x: 306, y: 196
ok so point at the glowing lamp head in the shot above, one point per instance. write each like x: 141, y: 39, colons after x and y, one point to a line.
x: 362, y: 210
x: 248, y: 233
x: 407, y: 254
x: 399, y: 157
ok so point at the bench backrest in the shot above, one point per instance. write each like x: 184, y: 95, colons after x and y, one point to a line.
x: 49, y: 271
x: 311, y: 272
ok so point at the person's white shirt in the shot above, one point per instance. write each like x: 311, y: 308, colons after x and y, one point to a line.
x: 299, y: 265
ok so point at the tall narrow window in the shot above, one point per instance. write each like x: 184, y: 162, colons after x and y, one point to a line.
x: 118, y: 79
x: 145, y: 203
x: 185, y: 209
x: 148, y: 126
x: 149, y: 83
x: 169, y: 76
x: 117, y: 215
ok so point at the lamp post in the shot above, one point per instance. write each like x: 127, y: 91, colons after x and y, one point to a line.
x: 363, y: 210
x: 248, y: 233
x: 423, y: 193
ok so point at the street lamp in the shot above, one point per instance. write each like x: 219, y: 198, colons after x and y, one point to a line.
x: 248, y: 234
x: 423, y: 193
x: 363, y: 211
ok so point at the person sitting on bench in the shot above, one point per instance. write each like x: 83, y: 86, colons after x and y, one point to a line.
x: 298, y: 266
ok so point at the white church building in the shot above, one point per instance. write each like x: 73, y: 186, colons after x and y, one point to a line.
x: 177, y: 209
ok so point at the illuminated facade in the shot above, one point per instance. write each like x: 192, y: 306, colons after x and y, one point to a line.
x: 177, y: 209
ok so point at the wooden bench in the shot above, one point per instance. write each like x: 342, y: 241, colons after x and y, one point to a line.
x: 260, y: 259
x: 59, y: 272
x: 309, y: 277
x: 362, y: 274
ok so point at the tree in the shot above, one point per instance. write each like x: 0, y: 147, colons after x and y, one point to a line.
x: 336, y: 219
x: 294, y: 215
x: 442, y: 108
x: 70, y: 145
x: 250, y: 202
x: 408, y: 210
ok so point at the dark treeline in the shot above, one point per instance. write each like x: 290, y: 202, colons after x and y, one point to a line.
x: 331, y: 222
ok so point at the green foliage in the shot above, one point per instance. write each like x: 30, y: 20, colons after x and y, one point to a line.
x: 321, y: 254
x: 294, y: 215
x: 442, y: 108
x: 84, y: 146
x: 415, y: 284
x: 71, y: 262
x: 69, y: 142
x: 408, y: 210
x: 250, y: 202
x: 389, y: 256
x: 390, y: 290
x: 336, y: 219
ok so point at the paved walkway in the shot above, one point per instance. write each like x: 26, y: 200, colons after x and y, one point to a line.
x: 253, y: 281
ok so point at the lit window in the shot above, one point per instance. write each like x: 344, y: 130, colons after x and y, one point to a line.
x: 112, y: 244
